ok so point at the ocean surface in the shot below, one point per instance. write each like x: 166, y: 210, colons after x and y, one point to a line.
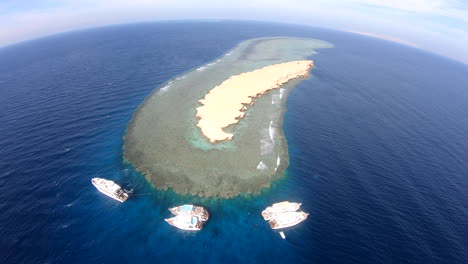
x: 378, y: 144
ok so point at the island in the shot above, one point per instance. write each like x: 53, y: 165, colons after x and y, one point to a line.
x: 225, y: 104
x: 216, y: 131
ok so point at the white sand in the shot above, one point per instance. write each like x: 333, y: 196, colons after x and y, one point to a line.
x: 225, y: 104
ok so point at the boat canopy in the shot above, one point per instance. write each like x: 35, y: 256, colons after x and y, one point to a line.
x: 284, y: 206
x: 108, y: 184
x: 187, y: 207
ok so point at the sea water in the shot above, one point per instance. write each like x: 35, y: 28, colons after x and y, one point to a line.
x: 377, y: 146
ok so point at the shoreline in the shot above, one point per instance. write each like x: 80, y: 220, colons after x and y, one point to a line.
x: 163, y: 143
x: 213, y: 114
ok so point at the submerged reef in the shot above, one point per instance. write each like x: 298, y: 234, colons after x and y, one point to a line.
x: 164, y: 142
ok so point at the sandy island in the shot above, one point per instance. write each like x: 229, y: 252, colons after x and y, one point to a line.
x: 225, y: 104
x: 174, y: 149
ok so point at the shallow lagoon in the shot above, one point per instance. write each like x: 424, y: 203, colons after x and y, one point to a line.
x: 164, y: 143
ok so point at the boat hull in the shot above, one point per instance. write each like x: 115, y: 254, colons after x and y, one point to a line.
x: 288, y: 219
x: 173, y: 223
x: 278, y: 208
x: 121, y: 199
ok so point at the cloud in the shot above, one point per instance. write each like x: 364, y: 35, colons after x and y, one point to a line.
x: 404, y: 42
x: 440, y: 26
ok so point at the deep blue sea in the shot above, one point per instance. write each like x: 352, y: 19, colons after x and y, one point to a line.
x: 378, y: 142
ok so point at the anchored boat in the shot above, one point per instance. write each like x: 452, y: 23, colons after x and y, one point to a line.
x: 284, y: 214
x: 188, y: 217
x: 278, y: 208
x: 110, y: 189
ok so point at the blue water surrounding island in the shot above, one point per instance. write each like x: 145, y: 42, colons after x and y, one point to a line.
x: 377, y: 141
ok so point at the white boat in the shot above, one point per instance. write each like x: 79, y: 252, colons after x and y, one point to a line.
x: 110, y: 189
x: 185, y: 222
x: 279, y: 208
x: 189, y: 209
x: 287, y: 219
x: 188, y: 217
x: 283, y: 236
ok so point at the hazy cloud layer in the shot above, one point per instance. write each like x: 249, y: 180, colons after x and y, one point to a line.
x: 440, y: 26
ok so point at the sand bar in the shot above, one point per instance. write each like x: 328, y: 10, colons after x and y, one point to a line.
x: 165, y: 144
x: 225, y: 104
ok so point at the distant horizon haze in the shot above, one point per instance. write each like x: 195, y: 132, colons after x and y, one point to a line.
x: 438, y: 26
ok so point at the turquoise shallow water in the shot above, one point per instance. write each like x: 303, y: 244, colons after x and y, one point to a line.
x: 377, y: 144
x: 164, y: 143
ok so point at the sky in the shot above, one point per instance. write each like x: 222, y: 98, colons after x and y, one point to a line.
x: 439, y: 26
